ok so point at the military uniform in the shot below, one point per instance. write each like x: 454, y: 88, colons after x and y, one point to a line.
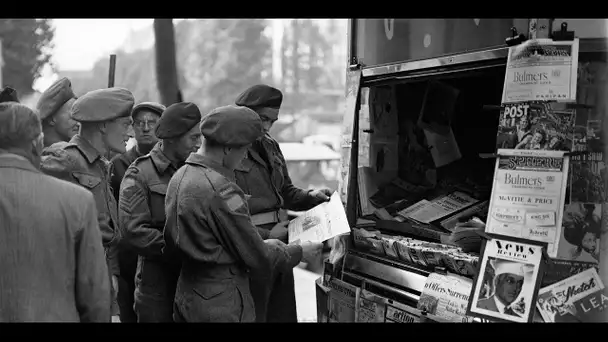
x: 208, y: 223
x: 78, y: 162
x: 8, y: 94
x: 59, y: 96
x: 263, y: 175
x: 142, y: 217
x: 127, y: 258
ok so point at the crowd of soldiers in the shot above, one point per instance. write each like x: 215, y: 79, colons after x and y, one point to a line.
x: 189, y: 225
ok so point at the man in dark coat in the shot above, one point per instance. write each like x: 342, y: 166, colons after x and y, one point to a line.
x: 52, y: 267
x: 105, y: 117
x: 141, y: 210
x: 54, y: 107
x: 208, y: 224
x: 263, y: 175
x: 8, y: 94
x: 145, y: 117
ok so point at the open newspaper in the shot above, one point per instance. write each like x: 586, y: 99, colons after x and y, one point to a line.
x: 321, y: 223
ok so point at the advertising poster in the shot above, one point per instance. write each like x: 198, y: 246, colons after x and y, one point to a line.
x: 528, y: 196
x: 581, y: 230
x: 588, y: 178
x: 541, y: 70
x: 508, y: 279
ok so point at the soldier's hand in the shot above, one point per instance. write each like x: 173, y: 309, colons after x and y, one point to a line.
x: 274, y: 242
x: 310, y: 250
x: 279, y: 231
x: 322, y: 195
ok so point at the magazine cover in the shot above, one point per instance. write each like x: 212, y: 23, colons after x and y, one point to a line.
x: 508, y: 279
x: 581, y: 230
x: 588, y: 178
x: 447, y: 297
x: 558, y: 270
x: 342, y: 301
x: 536, y: 126
x: 370, y: 307
x: 556, y: 302
x: 593, y: 308
x: 528, y: 196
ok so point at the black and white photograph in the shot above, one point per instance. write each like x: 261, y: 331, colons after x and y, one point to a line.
x: 588, y: 176
x: 536, y: 126
x: 507, y: 280
x: 581, y: 226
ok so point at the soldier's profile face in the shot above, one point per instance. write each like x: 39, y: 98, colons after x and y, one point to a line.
x: 117, y: 134
x: 509, y: 287
x: 64, y: 125
x: 235, y: 156
x: 267, y: 124
x: 188, y: 143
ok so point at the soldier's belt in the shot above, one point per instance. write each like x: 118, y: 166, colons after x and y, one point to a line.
x: 269, y: 217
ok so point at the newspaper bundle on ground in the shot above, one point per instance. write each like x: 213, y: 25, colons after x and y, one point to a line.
x: 342, y: 301
x: 321, y: 223
x: 508, y: 279
x: 447, y: 297
x: 542, y: 69
x: 427, y: 212
x: 528, y: 196
x: 556, y: 302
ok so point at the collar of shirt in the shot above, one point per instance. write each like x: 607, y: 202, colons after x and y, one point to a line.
x: 501, y: 307
x: 160, y: 160
x: 203, y: 161
x: 14, y: 160
x: 86, y: 148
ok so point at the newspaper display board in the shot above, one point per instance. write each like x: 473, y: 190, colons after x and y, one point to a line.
x: 508, y: 279
x: 541, y: 69
x: 447, y: 297
x: 528, y: 196
x: 342, y: 301
x: 556, y: 303
x: 321, y: 223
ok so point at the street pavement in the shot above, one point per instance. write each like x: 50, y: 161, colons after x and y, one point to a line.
x: 306, y: 298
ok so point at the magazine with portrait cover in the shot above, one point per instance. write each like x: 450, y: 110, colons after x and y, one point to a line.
x: 588, y: 178
x: 581, y: 231
x: 528, y: 196
x: 508, y: 279
x: 556, y: 303
x: 536, y: 126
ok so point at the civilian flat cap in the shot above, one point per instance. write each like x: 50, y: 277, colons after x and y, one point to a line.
x: 8, y: 94
x: 152, y: 106
x: 103, y: 105
x: 264, y: 100
x: 58, y: 94
x: 177, y: 120
x: 232, y: 126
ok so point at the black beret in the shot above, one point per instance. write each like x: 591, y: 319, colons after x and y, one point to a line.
x: 103, y: 105
x: 58, y: 94
x: 152, y: 106
x: 8, y: 94
x: 232, y: 126
x: 177, y: 120
x: 263, y: 99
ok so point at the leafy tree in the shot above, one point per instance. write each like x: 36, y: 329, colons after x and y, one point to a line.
x: 26, y: 48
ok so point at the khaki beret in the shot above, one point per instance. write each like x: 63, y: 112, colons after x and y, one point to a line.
x: 103, y: 105
x: 232, y: 126
x: 152, y: 106
x: 8, y: 94
x: 263, y: 99
x: 177, y: 120
x: 58, y: 94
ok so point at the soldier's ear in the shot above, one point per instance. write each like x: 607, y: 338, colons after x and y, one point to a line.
x: 103, y: 128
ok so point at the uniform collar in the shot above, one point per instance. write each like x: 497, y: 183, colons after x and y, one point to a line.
x: 86, y: 148
x: 203, y: 161
x: 160, y: 160
x: 501, y: 307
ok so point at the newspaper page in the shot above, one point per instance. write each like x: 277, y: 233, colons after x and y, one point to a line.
x: 541, y: 69
x: 556, y: 302
x: 442, y: 207
x: 401, y: 313
x: 528, y: 196
x: 321, y: 223
x: 447, y: 297
x: 370, y: 307
x: 508, y: 280
x: 342, y: 301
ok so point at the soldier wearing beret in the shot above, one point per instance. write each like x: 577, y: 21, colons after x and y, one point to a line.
x: 208, y: 224
x: 54, y: 107
x: 145, y: 117
x: 8, y: 94
x: 141, y: 210
x: 105, y: 117
x: 263, y: 175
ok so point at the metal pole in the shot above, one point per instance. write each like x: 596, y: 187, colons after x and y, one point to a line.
x: 112, y: 71
x: 1, y: 63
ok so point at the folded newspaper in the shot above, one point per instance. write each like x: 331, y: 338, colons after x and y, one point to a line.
x: 321, y: 223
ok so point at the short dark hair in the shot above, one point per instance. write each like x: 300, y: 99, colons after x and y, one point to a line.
x: 19, y: 125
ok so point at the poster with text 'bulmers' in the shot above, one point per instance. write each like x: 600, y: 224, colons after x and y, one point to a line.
x: 541, y: 70
x: 528, y: 196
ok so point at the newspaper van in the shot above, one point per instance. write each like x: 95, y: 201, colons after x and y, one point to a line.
x: 454, y: 69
